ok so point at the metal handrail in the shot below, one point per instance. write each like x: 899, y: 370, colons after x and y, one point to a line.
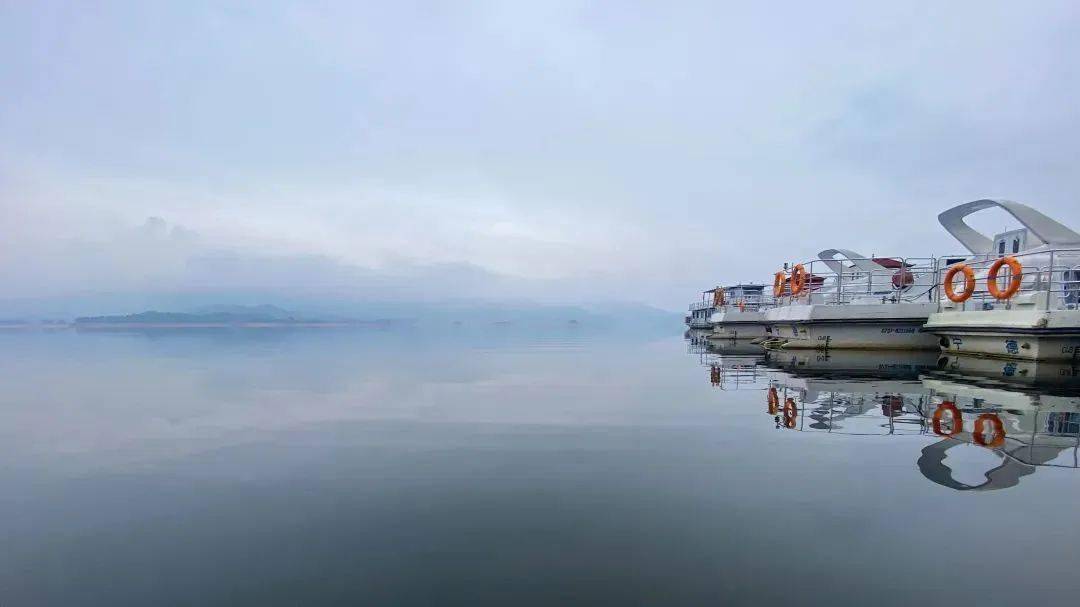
x: 757, y: 301
x: 865, y: 280
x: 1050, y: 281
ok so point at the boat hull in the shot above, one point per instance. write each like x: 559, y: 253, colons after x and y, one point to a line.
x: 1009, y: 334
x: 1018, y: 346
x: 737, y: 331
x: 883, y: 335
x: 865, y: 327
x: 735, y: 324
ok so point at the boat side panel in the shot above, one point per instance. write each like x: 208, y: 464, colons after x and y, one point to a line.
x: 1013, y: 346
x: 890, y: 335
x: 741, y: 330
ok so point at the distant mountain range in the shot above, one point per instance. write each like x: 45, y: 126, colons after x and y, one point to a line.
x: 218, y: 315
x: 429, y: 315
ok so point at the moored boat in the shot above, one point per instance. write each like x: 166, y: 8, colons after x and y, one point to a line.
x: 1034, y: 313
x: 847, y: 300
x: 739, y: 312
x: 701, y: 311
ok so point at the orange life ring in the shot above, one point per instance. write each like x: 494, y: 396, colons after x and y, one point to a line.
x: 742, y: 305
x: 798, y: 279
x: 778, y: 284
x: 969, y: 283
x: 979, y: 435
x: 791, y: 413
x: 958, y: 420
x: 718, y: 297
x: 1014, y: 281
x: 774, y: 402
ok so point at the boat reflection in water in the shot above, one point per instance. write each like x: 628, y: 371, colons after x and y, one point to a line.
x: 1043, y: 376
x: 852, y: 363
x: 733, y: 365
x: 836, y: 391
x: 1026, y: 412
x: 1026, y: 415
x: 696, y: 341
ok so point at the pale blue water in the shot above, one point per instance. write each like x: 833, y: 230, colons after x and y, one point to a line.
x: 511, y: 467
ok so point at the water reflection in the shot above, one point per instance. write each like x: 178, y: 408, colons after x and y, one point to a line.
x: 1041, y: 376
x: 853, y: 363
x: 1024, y: 422
x: 418, y: 468
x: 697, y: 340
x: 984, y: 424
x: 732, y: 364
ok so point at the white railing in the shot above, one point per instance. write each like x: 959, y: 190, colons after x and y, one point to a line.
x: 1050, y: 280
x: 752, y: 303
x: 864, y: 280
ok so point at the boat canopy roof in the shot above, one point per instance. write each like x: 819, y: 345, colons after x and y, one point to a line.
x: 860, y: 261
x: 1044, y: 229
x: 744, y: 287
x: 889, y: 262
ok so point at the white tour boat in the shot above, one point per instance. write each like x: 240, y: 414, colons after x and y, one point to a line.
x: 1020, y: 290
x: 701, y: 311
x: 847, y: 300
x: 739, y: 312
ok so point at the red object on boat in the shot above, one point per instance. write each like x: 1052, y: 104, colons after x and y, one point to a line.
x: 888, y: 262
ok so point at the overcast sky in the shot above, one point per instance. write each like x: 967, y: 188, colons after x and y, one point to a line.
x: 558, y: 151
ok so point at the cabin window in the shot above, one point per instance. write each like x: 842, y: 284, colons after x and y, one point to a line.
x: 1070, y: 286
x: 1016, y: 245
x: 1001, y: 248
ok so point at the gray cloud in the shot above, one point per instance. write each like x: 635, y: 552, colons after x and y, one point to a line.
x: 563, y: 150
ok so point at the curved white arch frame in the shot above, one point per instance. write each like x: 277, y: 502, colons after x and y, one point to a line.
x: 1047, y: 231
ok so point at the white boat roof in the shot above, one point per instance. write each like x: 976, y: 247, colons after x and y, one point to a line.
x: 1042, y: 227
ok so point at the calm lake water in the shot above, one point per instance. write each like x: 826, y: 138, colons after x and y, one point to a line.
x: 496, y: 467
